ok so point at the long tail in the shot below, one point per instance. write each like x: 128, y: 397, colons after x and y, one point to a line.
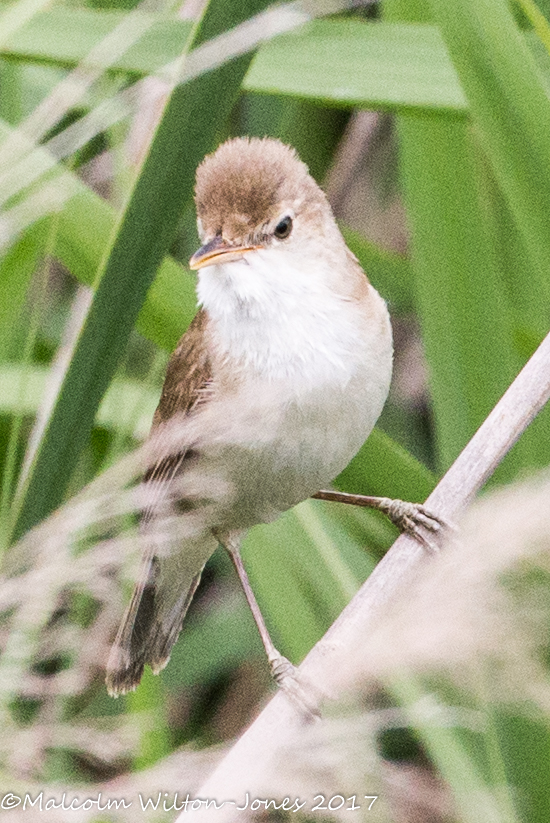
x: 154, y: 618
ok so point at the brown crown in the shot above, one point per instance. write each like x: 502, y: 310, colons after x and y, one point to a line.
x: 247, y: 182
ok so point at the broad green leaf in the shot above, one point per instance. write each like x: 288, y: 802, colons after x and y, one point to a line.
x: 463, y: 311
x: 529, y: 311
x: 352, y: 63
x: 347, y: 62
x: 154, y: 743
x: 85, y: 227
x: 537, y: 20
x: 306, y: 566
x: 212, y: 643
x: 525, y: 745
x: 64, y: 36
x: 384, y: 468
x: 343, y: 62
x: 462, y: 755
x: 14, y: 16
x: 313, y: 130
x: 11, y: 91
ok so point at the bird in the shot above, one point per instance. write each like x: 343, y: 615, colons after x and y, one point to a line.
x: 273, y: 389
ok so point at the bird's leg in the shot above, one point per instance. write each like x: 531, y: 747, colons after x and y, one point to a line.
x: 283, y: 671
x: 409, y: 517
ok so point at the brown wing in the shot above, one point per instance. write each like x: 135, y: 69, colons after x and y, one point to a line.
x: 187, y: 375
x: 145, y: 634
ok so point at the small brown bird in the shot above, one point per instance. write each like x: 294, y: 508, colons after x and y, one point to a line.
x: 277, y: 383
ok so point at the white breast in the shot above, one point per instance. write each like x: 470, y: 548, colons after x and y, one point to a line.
x: 314, y: 369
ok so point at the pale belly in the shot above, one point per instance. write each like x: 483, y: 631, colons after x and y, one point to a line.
x: 272, y: 455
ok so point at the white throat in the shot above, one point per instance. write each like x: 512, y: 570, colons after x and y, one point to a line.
x: 282, y: 319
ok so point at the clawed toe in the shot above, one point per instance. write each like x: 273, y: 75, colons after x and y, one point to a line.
x: 434, y: 522
x: 428, y: 520
x: 287, y: 678
x: 411, y: 527
x: 413, y: 518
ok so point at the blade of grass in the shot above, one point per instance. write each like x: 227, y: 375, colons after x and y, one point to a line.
x: 463, y: 300
x: 11, y: 89
x: 16, y: 270
x: 211, y: 644
x: 23, y: 387
x: 304, y: 568
x: 313, y: 130
x: 16, y: 15
x: 459, y: 296
x: 538, y: 21
x: 65, y: 35
x: 150, y: 699
x: 37, y: 309
x: 384, y: 468
x: 457, y: 758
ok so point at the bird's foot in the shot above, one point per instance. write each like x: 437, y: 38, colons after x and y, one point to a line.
x: 287, y: 677
x: 413, y: 519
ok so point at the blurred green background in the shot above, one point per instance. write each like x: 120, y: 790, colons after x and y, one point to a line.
x: 428, y: 124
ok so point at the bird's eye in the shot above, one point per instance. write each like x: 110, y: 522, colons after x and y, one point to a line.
x: 283, y: 228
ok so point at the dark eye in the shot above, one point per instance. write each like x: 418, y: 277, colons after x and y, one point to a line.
x: 283, y: 228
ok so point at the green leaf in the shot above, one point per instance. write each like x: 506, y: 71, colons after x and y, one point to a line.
x: 313, y: 130
x: 16, y: 270
x: 150, y: 698
x: 384, y: 468
x: 304, y: 568
x: 64, y: 36
x: 462, y: 755
x: 128, y: 405
x: 14, y: 16
x: 464, y: 314
x: 11, y: 92
x: 85, y: 226
x: 525, y: 745
x: 346, y: 62
x: 351, y: 63
x: 212, y: 643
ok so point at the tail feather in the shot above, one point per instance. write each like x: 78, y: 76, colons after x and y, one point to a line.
x: 147, y: 632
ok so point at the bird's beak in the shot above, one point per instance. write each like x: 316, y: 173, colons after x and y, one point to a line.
x: 218, y: 251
